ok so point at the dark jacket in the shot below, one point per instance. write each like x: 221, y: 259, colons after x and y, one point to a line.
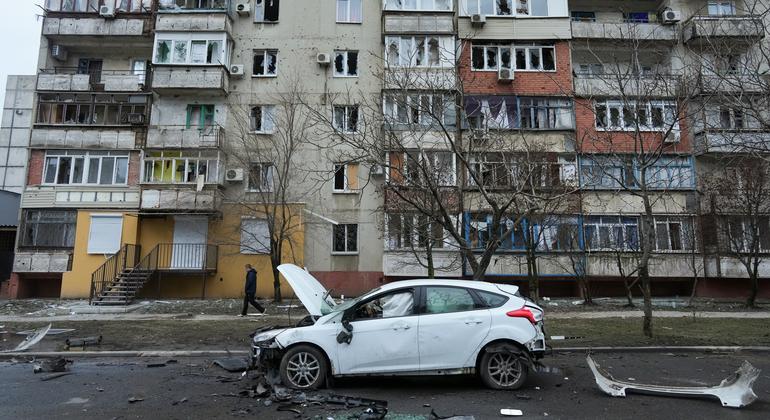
x: 251, y: 281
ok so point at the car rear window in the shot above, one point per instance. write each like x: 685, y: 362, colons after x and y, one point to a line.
x: 492, y: 300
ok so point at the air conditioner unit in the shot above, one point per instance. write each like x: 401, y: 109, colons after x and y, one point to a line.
x: 59, y: 53
x: 107, y: 11
x: 505, y: 75
x: 478, y: 20
x: 237, y: 70
x: 243, y: 8
x: 136, y: 119
x: 672, y: 137
x: 323, y: 59
x: 670, y: 17
x: 234, y: 175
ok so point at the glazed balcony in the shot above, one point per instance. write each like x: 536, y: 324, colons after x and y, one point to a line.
x: 183, y: 137
x: 590, y: 85
x: 732, y: 141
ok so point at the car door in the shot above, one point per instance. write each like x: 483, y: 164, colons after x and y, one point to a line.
x: 453, y: 324
x: 384, y: 335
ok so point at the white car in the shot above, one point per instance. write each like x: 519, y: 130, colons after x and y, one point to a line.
x: 412, y: 327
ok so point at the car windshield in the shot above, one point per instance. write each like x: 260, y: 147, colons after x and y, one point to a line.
x: 346, y: 304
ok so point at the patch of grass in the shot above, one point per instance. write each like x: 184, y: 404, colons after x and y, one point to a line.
x: 666, y: 331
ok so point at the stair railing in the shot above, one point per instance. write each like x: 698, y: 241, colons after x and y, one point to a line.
x: 107, y: 274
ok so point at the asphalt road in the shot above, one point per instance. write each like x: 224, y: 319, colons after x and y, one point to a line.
x: 102, y: 388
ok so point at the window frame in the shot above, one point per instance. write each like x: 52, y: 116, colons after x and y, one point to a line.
x: 265, y: 52
x: 514, y: 6
x: 87, y: 157
x: 347, y: 12
x: 345, y: 168
x: 265, y: 250
x: 347, y: 114
x: 264, y: 9
x: 267, y: 176
x: 347, y: 251
x: 350, y: 313
x: 478, y: 303
x: 267, y: 119
x: 188, y: 38
x: 444, y: 61
x: 418, y: 8
x: 685, y: 224
x: 189, y: 158
x: 346, y: 64
x: 70, y: 226
x: 411, y: 230
x: 625, y: 223
x: 633, y: 107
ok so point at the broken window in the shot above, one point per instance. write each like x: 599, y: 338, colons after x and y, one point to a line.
x: 201, y: 116
x: 423, y: 109
x: 390, y: 305
x: 85, y: 109
x: 535, y: 58
x: 190, y: 49
x: 349, y: 11
x: 49, y: 228
x: 265, y: 63
x: 673, y: 234
x: 490, y: 57
x: 419, y: 51
x: 345, y: 239
x: 346, y: 63
x: 612, y: 233
x: 255, y: 236
x: 545, y: 113
x: 261, y: 177
x: 646, y: 116
x: 346, y: 118
x: 266, y: 11
x: 345, y: 177
x: 262, y: 119
x: 177, y: 167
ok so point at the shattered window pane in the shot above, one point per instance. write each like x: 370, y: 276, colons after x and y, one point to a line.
x: 339, y: 63
x: 352, y: 63
x: 163, y: 54
x: 180, y: 52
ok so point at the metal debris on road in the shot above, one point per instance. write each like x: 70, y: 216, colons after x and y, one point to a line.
x: 58, y: 364
x: 233, y: 364
x: 156, y: 365
x: 435, y: 416
x: 82, y: 342
x: 31, y: 340
x: 182, y: 401
x: 55, y: 376
x: 510, y: 412
x: 135, y: 400
x: 734, y: 391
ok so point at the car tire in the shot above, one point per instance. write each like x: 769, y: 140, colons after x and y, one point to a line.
x: 303, y: 367
x: 503, y: 370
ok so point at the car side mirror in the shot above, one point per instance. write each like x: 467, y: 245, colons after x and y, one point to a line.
x: 344, y: 336
x: 347, y: 325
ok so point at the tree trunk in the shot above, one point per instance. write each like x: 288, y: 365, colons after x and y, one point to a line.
x: 751, y: 301
x: 644, y: 276
x: 585, y: 289
x: 629, y: 293
x: 277, y: 298
x: 429, y: 256
x: 534, y: 285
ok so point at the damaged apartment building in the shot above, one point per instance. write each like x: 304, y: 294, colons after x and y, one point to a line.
x: 156, y: 136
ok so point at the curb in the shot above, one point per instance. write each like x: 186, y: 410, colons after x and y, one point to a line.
x: 133, y: 354
x: 652, y: 349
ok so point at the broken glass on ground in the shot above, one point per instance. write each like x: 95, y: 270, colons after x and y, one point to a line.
x: 734, y: 391
x: 30, y: 341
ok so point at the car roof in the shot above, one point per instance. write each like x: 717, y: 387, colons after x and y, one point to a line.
x: 481, y: 285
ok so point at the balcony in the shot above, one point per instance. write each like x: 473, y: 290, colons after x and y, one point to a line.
x: 423, y: 23
x: 197, y: 20
x: 169, y: 79
x: 85, y: 138
x: 740, y: 29
x: 183, y: 137
x: 67, y: 79
x: 732, y: 141
x: 82, y: 196
x: 180, y: 199
x: 625, y: 84
x: 506, y: 27
x: 615, y: 31
x: 128, y: 30
x: 416, y: 78
x: 42, y: 261
x: 732, y: 84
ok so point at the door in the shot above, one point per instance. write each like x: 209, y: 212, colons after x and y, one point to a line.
x: 384, y: 336
x: 91, y: 67
x: 453, y: 324
x: 189, y: 248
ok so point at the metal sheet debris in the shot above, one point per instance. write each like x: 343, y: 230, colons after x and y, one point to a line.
x: 734, y: 391
x: 233, y: 364
x: 510, y: 412
x: 52, y: 331
x: 83, y: 342
x: 31, y: 340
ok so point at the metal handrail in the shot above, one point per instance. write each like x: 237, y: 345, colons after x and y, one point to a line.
x: 106, y: 275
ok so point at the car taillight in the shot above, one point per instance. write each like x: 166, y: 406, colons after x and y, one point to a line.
x: 523, y: 313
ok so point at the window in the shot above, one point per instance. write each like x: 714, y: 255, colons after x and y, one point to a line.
x: 443, y: 300
x: 345, y: 177
x: 193, y: 4
x: 721, y: 8
x: 197, y: 49
x: 558, y: 233
x: 85, y: 168
x: 614, y: 115
x: 636, y: 17
x: 419, y: 109
x: 419, y: 51
x: 605, y: 172
x: 545, y: 113
x: 104, y: 234
x: 729, y: 64
x: 609, y: 233
x: 524, y: 58
x: 390, y: 305
x: 345, y: 239
x: 85, y: 109
x: 92, y: 6
x: 414, y: 167
x: 491, y: 112
x: 49, y: 228
x: 670, y: 172
x: 593, y: 69
x: 255, y: 236
x: 491, y: 300
x: 200, y: 116
x: 262, y: 119
x: 731, y: 118
x: 410, y: 231
x: 510, y: 8
x: 177, y: 167
x: 748, y: 234
x: 265, y: 63
x: 583, y: 16
x: 349, y: 11
x: 346, y: 64
x: 492, y: 170
x: 261, y: 177
x: 431, y: 5
x: 266, y: 11
x: 345, y: 118
x: 673, y: 234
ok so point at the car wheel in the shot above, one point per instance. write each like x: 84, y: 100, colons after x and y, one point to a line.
x: 503, y: 370
x: 303, y: 367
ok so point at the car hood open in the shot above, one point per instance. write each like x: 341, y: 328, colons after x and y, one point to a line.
x: 309, y: 291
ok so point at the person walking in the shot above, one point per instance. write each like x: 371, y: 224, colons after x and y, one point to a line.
x: 251, y: 291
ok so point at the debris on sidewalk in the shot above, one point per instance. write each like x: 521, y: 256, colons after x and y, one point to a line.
x: 30, y: 341
x: 82, y: 342
x: 734, y: 391
x: 58, y: 364
x: 135, y: 400
x: 182, y: 401
x: 233, y: 364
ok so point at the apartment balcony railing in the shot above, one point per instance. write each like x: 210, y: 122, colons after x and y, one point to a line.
x: 194, y: 6
x: 180, y: 78
x: 732, y: 141
x: 396, y: 22
x: 645, y: 31
x: 608, y: 84
x: 179, y: 198
x: 42, y: 261
x: 93, y: 7
x: 732, y: 83
x: 183, y: 137
x: 205, y: 20
x: 70, y: 79
x: 747, y: 28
